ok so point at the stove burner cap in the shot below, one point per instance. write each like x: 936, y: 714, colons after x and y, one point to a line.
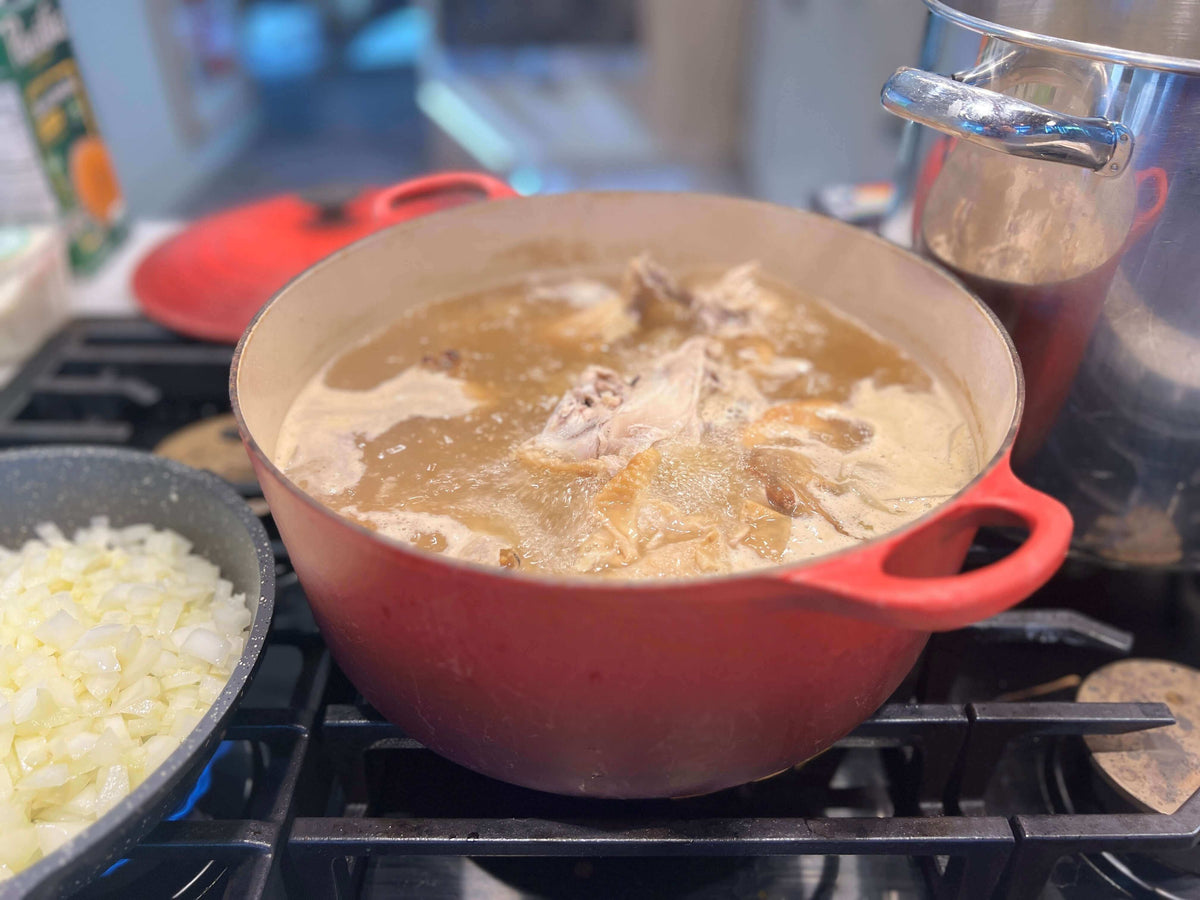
x: 1157, y: 769
x: 214, y: 444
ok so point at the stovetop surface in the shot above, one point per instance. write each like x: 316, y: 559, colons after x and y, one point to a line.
x: 954, y: 789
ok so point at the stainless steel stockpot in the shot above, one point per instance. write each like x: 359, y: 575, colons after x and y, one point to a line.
x: 1062, y: 183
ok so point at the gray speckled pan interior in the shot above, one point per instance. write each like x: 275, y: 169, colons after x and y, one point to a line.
x: 70, y: 485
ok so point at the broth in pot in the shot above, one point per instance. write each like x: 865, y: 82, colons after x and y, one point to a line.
x: 643, y: 427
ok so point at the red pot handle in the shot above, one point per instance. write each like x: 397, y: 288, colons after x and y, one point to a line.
x: 429, y: 193
x: 1145, y: 218
x: 870, y: 584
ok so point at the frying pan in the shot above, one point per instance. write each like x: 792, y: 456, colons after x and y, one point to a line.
x: 70, y: 485
x: 588, y: 686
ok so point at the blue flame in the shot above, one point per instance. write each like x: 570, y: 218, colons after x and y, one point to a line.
x: 202, y: 787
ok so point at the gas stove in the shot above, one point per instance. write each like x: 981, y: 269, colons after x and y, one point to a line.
x: 982, y: 777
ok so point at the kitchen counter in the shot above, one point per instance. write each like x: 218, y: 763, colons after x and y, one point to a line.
x: 109, y: 291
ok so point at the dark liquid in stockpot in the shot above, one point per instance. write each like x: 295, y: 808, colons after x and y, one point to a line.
x: 1051, y: 325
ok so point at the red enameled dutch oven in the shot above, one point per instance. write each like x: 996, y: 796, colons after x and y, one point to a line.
x: 594, y: 687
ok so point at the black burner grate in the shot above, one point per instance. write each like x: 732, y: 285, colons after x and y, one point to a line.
x: 341, y: 792
x: 113, y: 381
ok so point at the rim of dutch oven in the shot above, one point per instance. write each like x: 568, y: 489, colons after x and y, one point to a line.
x: 588, y: 583
x: 1137, y: 58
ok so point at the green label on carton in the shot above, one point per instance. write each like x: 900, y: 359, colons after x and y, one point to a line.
x: 50, y: 149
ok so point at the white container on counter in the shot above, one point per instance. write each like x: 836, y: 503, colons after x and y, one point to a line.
x: 33, y: 288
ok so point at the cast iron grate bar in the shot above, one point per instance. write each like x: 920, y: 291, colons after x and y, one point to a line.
x: 260, y: 723
x: 1052, y: 626
x: 28, y: 432
x: 736, y: 837
x: 1011, y: 636
x: 895, y: 724
x: 172, y: 355
x: 105, y: 384
x: 994, y: 725
x: 983, y: 847
x: 113, y: 381
x: 123, y: 330
x: 293, y: 743
x: 937, y: 731
x: 1044, y: 717
x: 209, y: 839
x: 962, y: 743
x: 1044, y: 839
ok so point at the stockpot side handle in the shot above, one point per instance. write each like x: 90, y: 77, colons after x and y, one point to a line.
x: 1008, y: 124
x: 432, y: 192
x: 866, y: 584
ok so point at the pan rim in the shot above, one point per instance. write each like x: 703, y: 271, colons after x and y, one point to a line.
x: 51, y: 872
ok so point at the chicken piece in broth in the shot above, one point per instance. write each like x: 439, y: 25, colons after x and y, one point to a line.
x: 603, y: 320
x: 580, y: 427
x: 606, y: 417
x: 618, y: 541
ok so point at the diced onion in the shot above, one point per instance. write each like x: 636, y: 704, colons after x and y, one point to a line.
x: 206, y: 645
x: 113, y: 644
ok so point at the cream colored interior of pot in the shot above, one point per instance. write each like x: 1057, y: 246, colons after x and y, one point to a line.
x: 491, y: 244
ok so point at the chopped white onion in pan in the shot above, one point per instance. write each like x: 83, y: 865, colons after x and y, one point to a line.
x: 113, y: 645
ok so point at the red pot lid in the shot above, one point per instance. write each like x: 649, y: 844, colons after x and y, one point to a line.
x: 209, y: 280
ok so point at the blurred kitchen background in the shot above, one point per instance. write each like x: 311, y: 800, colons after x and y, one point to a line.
x: 204, y: 103
x: 160, y: 112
